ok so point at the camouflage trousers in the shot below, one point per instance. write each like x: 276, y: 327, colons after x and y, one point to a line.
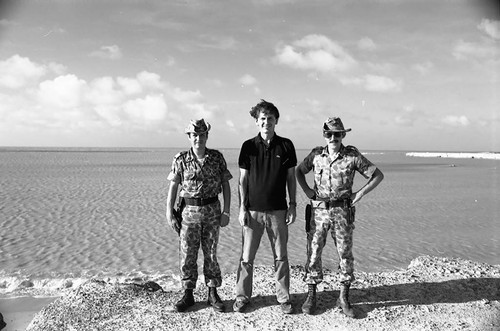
x: 200, y: 226
x: 340, y: 222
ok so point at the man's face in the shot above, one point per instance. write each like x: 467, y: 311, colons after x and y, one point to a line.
x: 266, y: 123
x: 198, y: 140
x: 333, y: 139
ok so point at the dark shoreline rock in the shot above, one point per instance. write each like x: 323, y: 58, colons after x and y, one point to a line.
x: 431, y: 294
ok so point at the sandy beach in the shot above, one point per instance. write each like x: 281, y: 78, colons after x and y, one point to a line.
x: 430, y: 294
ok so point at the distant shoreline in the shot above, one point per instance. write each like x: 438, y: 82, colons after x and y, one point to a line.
x: 485, y: 155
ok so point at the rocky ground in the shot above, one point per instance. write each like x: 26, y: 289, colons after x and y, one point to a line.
x: 431, y: 294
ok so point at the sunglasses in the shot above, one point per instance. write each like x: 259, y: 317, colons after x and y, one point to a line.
x: 329, y: 134
x: 195, y: 134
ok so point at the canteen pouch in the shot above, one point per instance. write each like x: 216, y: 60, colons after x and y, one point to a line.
x: 308, y: 217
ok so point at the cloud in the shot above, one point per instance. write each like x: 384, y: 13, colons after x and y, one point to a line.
x: 150, y: 80
x: 366, y: 44
x: 112, y: 52
x: 149, y: 109
x: 381, y: 84
x: 468, y: 50
x: 130, y: 86
x: 186, y: 97
x: 374, y: 83
x: 230, y: 125
x: 408, y: 116
x: 64, y: 92
x: 486, y: 49
x: 455, y: 121
x: 218, y: 42
x: 316, y: 53
x: 56, y: 30
x: 491, y: 28
x: 215, y: 82
x: 17, y: 72
x: 423, y: 68
x: 36, y: 97
x: 247, y: 80
x: 319, y: 54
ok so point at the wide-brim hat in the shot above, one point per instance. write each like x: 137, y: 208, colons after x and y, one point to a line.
x: 197, y: 126
x: 334, y: 124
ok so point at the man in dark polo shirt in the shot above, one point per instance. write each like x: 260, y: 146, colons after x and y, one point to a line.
x: 267, y: 171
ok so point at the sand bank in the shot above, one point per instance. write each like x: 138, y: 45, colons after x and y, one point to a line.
x: 485, y: 155
x: 430, y: 294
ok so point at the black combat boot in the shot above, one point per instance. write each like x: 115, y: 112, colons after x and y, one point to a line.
x: 214, y: 300
x: 309, y: 306
x: 185, y: 302
x: 343, y: 301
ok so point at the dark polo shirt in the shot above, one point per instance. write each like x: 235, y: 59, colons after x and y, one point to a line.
x: 267, y: 167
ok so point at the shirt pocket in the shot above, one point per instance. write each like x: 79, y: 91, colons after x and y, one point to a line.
x: 318, y: 176
x: 190, y: 175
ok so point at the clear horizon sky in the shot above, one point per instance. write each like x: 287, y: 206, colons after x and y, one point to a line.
x: 403, y: 74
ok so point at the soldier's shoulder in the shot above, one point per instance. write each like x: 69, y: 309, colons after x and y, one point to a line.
x: 180, y: 155
x: 351, y: 150
x: 317, y: 150
x: 214, y: 152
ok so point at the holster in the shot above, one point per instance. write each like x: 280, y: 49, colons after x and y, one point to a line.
x: 308, y: 217
x: 352, y: 214
x: 346, y: 204
x: 178, y: 213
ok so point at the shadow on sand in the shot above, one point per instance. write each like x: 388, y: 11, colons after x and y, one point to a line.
x: 365, y: 300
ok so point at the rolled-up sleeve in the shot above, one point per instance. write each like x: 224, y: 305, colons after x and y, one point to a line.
x: 175, y: 171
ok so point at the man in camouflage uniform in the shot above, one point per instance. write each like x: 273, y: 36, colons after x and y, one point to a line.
x: 201, y: 174
x: 332, y: 207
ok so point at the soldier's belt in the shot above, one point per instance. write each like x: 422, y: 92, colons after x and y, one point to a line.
x: 200, y: 201
x: 331, y: 203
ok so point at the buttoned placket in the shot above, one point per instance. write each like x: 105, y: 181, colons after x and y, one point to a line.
x: 331, y: 161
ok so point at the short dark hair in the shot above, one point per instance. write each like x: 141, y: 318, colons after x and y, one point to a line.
x: 266, y: 108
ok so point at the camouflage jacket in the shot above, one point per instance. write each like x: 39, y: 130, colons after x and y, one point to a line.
x: 199, y: 179
x: 333, y: 178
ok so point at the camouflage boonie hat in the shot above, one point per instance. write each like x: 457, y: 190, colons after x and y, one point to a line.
x: 198, y: 127
x: 334, y: 124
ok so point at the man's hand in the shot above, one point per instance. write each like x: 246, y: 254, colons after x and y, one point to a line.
x: 224, y: 220
x: 243, y: 217
x: 310, y: 193
x: 174, y: 224
x: 291, y: 214
x: 355, y: 197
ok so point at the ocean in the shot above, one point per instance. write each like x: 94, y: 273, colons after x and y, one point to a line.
x: 70, y: 214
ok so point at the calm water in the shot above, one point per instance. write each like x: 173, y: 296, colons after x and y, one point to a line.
x: 101, y: 211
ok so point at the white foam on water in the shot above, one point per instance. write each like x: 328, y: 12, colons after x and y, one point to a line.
x: 483, y: 155
x: 25, y: 285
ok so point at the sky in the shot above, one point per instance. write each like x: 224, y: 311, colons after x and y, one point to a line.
x: 411, y: 75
